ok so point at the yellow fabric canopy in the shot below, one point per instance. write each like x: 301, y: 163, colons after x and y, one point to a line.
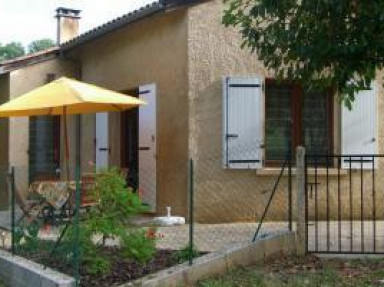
x: 67, y: 96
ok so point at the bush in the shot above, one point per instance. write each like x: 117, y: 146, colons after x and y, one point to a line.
x: 111, y: 219
x: 186, y: 254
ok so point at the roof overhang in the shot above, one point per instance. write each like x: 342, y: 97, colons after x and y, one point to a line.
x: 28, y: 60
x: 159, y: 6
x: 134, y: 16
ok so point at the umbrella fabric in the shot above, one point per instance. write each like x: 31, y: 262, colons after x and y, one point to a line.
x: 67, y: 96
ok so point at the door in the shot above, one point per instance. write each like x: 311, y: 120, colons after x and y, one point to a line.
x: 102, y: 148
x: 147, y: 145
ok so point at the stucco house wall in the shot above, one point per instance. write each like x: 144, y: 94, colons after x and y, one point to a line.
x: 153, y: 50
x: 225, y: 195
x: 186, y: 53
x: 4, y: 95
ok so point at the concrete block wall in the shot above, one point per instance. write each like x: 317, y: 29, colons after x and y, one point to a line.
x: 220, y: 262
x: 16, y: 271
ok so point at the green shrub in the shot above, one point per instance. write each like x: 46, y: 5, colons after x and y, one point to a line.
x: 186, y: 254
x: 137, y: 245
x: 111, y: 219
x: 26, y: 237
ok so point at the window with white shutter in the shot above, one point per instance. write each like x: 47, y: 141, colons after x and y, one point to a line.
x: 359, y: 129
x: 243, y: 120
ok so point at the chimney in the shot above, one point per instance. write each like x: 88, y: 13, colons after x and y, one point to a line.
x: 67, y: 24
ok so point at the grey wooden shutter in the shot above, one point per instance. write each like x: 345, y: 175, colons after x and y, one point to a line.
x: 242, y: 122
x: 147, y: 145
x: 359, y: 128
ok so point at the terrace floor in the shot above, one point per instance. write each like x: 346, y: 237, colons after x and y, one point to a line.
x: 334, y: 236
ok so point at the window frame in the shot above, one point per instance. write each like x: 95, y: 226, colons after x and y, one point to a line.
x: 297, y: 116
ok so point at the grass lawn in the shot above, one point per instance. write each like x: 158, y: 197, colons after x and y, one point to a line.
x: 308, y: 271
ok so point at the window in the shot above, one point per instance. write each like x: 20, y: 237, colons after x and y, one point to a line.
x: 44, y: 146
x: 296, y: 117
x: 263, y: 128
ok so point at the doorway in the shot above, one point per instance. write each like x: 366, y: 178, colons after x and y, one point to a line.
x: 138, y: 145
x: 130, y: 143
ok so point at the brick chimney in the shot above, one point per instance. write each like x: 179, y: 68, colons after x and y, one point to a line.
x: 67, y: 24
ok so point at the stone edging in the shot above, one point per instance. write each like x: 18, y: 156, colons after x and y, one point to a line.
x: 20, y: 272
x: 220, y: 262
x: 17, y: 271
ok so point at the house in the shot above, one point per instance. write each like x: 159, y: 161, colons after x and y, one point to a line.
x: 207, y: 99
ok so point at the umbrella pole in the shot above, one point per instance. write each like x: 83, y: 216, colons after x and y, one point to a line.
x: 66, y: 144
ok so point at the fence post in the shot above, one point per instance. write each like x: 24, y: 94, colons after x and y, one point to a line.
x: 300, y: 202
x: 290, y: 192
x: 76, y: 213
x: 190, y: 207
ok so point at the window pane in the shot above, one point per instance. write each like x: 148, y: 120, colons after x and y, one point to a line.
x: 315, y: 126
x: 278, y: 119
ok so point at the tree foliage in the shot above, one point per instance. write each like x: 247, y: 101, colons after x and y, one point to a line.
x: 319, y: 43
x: 39, y: 45
x: 11, y: 50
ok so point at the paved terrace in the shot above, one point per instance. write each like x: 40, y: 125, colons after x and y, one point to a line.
x: 214, y: 237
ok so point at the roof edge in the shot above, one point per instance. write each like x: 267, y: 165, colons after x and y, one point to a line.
x: 113, y: 25
x: 134, y: 16
x: 27, y: 60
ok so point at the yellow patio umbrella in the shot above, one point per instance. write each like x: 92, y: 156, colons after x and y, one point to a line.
x: 66, y: 96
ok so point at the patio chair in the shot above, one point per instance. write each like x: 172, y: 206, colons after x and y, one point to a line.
x: 31, y: 209
x: 89, y: 197
x: 40, y: 204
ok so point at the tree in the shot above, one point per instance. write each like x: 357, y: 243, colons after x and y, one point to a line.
x: 319, y: 43
x: 39, y: 45
x: 11, y: 50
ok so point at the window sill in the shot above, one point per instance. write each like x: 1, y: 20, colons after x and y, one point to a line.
x: 275, y: 171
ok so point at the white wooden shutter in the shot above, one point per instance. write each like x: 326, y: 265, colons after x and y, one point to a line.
x: 147, y: 145
x: 243, y: 119
x: 102, y: 145
x: 359, y: 129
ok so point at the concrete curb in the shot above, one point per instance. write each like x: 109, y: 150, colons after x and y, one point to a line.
x: 19, y: 272
x: 220, y: 262
x: 16, y: 271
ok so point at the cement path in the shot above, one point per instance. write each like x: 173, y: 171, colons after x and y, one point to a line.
x: 346, y: 236
x: 214, y: 237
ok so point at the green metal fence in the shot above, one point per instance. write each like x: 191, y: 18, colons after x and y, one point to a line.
x: 52, y: 230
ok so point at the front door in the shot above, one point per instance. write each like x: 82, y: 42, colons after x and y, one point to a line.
x: 102, y: 148
x: 147, y: 145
